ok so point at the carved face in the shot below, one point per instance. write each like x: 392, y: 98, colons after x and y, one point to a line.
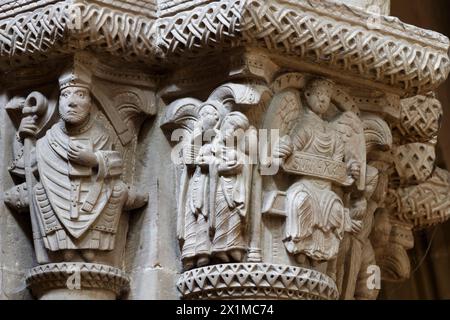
x: 234, y: 124
x: 75, y: 105
x: 208, y: 117
x: 228, y: 129
x: 318, y: 97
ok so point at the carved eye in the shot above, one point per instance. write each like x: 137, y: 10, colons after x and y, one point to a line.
x: 80, y: 94
x: 64, y: 94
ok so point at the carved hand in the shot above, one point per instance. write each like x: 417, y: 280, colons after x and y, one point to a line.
x: 356, y: 226
x: 282, y: 148
x: 205, y: 157
x: 229, y: 167
x: 81, y: 155
x: 28, y: 127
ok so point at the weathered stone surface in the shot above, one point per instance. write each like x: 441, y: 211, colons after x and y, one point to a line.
x: 199, y: 149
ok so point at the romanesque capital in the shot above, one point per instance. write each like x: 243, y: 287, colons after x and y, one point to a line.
x: 215, y: 149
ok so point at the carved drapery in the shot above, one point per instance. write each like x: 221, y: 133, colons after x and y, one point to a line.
x: 300, y: 136
x: 74, y: 163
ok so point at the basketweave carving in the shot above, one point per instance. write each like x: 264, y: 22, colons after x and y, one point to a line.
x: 414, y: 162
x: 423, y: 205
x: 416, y: 63
x: 420, y: 119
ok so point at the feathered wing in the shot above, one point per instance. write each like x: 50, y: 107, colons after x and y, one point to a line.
x: 351, y: 131
x: 376, y: 132
x: 179, y: 122
x: 284, y: 112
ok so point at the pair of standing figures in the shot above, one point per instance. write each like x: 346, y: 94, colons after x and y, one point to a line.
x: 215, y: 204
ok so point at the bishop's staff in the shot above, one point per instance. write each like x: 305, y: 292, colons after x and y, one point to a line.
x: 35, y: 107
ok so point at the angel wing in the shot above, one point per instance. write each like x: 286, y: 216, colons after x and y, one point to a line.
x: 351, y: 130
x: 284, y: 112
x: 181, y: 115
x: 285, y: 108
x: 376, y: 132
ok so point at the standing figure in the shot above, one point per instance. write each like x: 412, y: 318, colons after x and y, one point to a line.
x: 196, y: 247
x: 232, y: 177
x: 316, y: 216
x: 78, y: 198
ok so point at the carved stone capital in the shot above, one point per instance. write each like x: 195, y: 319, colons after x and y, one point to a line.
x: 293, y: 148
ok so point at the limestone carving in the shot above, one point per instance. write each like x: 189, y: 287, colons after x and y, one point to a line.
x: 319, y: 153
x: 417, y: 188
x: 92, y: 276
x: 425, y: 204
x: 414, y: 162
x: 415, y: 62
x: 215, y: 177
x: 73, y: 166
x: 420, y: 119
x: 74, y: 209
x: 231, y: 187
x: 293, y: 149
x: 356, y: 252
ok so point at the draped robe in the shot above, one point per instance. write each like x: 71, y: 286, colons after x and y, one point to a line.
x: 315, y: 214
x: 78, y: 207
x: 231, y: 202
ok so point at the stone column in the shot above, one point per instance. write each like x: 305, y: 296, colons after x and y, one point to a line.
x: 264, y: 149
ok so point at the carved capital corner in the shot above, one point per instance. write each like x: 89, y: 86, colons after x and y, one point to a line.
x: 417, y: 188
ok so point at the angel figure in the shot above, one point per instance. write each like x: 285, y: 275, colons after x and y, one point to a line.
x: 230, y: 188
x: 322, y: 155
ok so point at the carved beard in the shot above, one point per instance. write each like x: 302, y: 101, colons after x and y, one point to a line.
x: 75, y: 118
